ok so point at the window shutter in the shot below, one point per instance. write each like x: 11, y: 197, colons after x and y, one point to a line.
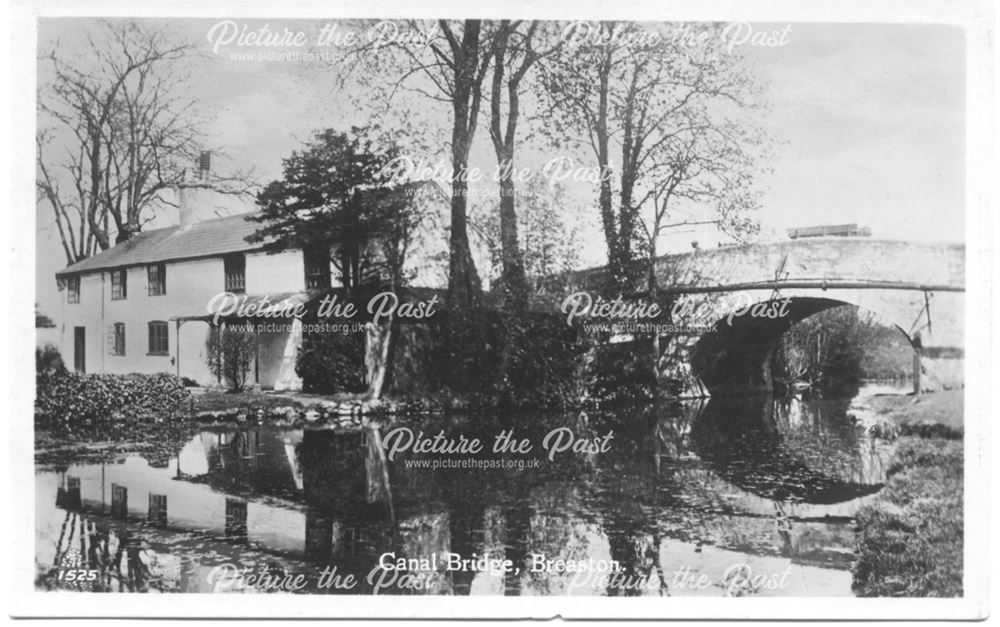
x: 109, y: 339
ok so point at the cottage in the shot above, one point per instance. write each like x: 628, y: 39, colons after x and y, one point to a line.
x: 143, y: 305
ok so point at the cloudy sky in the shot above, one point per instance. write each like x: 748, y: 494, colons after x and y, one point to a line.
x: 868, y: 120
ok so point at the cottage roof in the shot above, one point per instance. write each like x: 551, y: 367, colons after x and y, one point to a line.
x: 206, y: 238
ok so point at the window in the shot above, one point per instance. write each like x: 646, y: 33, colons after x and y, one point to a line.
x: 157, y: 274
x: 159, y: 339
x: 119, y: 344
x: 73, y: 289
x: 119, y: 287
x: 236, y: 273
x: 317, y: 263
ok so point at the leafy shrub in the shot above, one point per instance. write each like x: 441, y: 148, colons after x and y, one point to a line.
x: 332, y: 362
x: 544, y: 362
x: 623, y: 373
x: 508, y: 359
x: 230, y: 353
x: 85, y: 404
x: 48, y: 360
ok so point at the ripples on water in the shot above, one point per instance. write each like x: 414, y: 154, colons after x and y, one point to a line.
x: 687, y: 490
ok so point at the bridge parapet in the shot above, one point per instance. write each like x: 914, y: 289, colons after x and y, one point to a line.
x: 832, y: 259
x: 914, y: 285
x: 814, y: 260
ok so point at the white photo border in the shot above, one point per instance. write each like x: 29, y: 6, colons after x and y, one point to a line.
x: 976, y: 17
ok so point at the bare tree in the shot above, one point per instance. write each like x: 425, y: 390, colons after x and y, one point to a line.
x: 702, y: 165
x: 552, y: 223
x: 672, y: 111
x: 119, y: 135
x: 70, y: 208
x: 514, y: 53
x: 448, y: 65
x: 578, y: 88
x: 465, y: 63
x: 678, y: 115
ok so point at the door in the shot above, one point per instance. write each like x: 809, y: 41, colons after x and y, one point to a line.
x: 80, y: 349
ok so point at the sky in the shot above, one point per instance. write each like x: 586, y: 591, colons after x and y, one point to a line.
x: 868, y: 122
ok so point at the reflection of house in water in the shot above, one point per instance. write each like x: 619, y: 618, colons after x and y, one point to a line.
x: 305, y: 500
x: 119, y: 501
x: 249, y: 489
x: 68, y: 492
x: 246, y: 461
x: 104, y: 547
x: 157, y: 510
x: 236, y: 519
x: 211, y: 503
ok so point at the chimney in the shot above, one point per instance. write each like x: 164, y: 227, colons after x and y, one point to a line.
x: 185, y: 205
x: 189, y: 191
x: 204, y: 165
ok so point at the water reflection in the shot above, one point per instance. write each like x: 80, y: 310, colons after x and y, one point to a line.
x: 790, y: 450
x: 687, y: 490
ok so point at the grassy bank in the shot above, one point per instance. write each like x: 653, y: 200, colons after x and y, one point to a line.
x: 910, y: 541
x: 940, y: 414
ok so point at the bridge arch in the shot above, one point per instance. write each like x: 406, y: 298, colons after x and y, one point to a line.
x: 734, y: 355
x: 917, y: 286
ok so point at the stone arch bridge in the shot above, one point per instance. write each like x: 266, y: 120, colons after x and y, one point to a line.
x: 918, y: 287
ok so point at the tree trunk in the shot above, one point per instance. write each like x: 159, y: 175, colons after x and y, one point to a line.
x: 126, y: 232
x: 631, y: 148
x: 652, y: 294
x: 514, y: 281
x: 512, y: 272
x: 377, y: 356
x: 603, y: 161
x: 463, y: 281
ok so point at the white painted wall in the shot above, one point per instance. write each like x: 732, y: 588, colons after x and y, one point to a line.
x: 281, y: 272
x: 191, y: 285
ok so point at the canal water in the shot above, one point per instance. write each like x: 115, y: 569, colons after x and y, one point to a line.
x: 743, y: 496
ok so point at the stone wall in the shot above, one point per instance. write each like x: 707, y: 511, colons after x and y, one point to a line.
x: 931, y: 319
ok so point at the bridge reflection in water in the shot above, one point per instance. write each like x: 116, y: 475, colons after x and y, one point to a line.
x: 702, y: 486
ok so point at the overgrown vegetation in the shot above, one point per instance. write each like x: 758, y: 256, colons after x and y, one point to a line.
x: 332, y: 362
x: 504, y: 359
x: 622, y: 372
x: 834, y: 349
x: 141, y: 413
x: 910, y: 542
x: 99, y: 406
x: 48, y: 360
